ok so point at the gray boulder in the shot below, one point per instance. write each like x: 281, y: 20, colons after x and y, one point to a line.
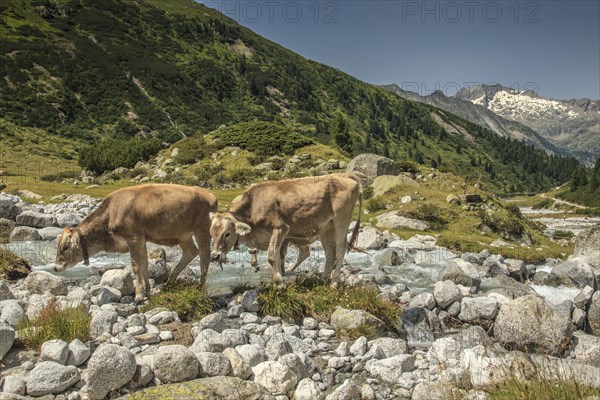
x: 68, y: 220
x: 390, y: 369
x: 371, y: 166
x: 12, y: 312
x: 460, y: 272
x: 529, y: 324
x: 390, y: 346
x: 175, y: 363
x: 239, y: 367
x: 6, y: 227
x: 24, y: 234
x: 5, y: 292
x: 308, y: 389
x: 587, y: 246
x: 7, y: 336
x: 158, y: 271
x: 344, y: 319
x: 42, y: 282
x: 583, y: 297
x: 102, y: 322
x: 594, y: 314
x: 55, y: 350
x: 347, y: 390
x: 392, y: 220
x: 7, y: 207
x: 36, y: 220
x: 119, y: 279
x: 586, y: 348
x: 575, y: 272
x: 277, y: 378
x: 370, y: 239
x: 50, y: 377
x: 79, y: 352
x: 213, y: 364
x: 14, y: 384
x: 110, y: 367
x: 252, y: 354
x: 478, y: 308
x: 49, y: 233
x: 446, y: 293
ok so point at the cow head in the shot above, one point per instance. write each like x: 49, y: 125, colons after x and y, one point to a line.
x: 225, y: 230
x: 69, y: 251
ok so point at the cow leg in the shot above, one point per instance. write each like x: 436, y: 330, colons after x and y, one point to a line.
x: 340, y: 252
x: 254, y: 259
x: 303, y: 253
x: 139, y: 266
x: 189, y: 251
x: 329, y: 245
x: 204, y: 251
x: 274, y: 253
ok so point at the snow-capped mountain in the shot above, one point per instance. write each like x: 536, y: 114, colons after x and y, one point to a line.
x: 479, y: 114
x: 571, y: 125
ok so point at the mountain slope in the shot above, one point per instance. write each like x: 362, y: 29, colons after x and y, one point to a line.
x: 86, y: 70
x: 573, y: 125
x: 480, y: 115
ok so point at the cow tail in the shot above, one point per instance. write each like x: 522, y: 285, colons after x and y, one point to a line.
x: 357, y: 225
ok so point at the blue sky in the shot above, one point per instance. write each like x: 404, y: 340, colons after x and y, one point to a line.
x: 552, y: 47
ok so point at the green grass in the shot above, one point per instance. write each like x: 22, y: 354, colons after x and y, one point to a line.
x: 367, y: 331
x: 312, y: 297
x: 12, y: 267
x: 189, y: 301
x: 56, y: 323
x: 539, y: 389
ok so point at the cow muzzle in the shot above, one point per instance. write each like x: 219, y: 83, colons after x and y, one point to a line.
x: 218, y: 256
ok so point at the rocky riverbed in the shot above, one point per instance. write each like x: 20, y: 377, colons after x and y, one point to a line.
x: 470, y: 320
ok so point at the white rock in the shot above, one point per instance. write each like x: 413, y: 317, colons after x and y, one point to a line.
x: 12, y: 312
x: 390, y: 369
x: 13, y: 384
x: 347, y: 390
x: 55, y: 350
x: 359, y: 347
x: 42, y: 282
x: 7, y: 334
x: 110, y: 367
x: 79, y: 352
x: 239, y: 367
x: 120, y: 280
x: 275, y: 377
x: 49, y: 377
x: 308, y: 390
x: 213, y: 364
x: 175, y: 363
x: 473, y: 308
x: 252, y: 354
x: 446, y: 293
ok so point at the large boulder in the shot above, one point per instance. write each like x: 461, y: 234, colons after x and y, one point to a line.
x: 384, y: 183
x: 219, y: 387
x: 41, y: 282
x: 508, y: 287
x: 50, y: 377
x: 371, y: 166
x: 529, y: 324
x: 370, y: 239
x: 460, y: 272
x: 390, y: 369
x: 12, y: 312
x: 55, y: 350
x: 7, y: 336
x: 473, y: 309
x: 446, y: 293
x: 308, y: 390
x: 575, y: 272
x: 594, y: 314
x: 119, y: 279
x: 214, y: 364
x: 175, y: 363
x: 50, y: 233
x: 24, y: 234
x: 110, y: 367
x: 277, y: 378
x: 587, y: 246
x: 36, y: 220
x: 586, y: 348
x: 6, y: 227
x: 392, y: 220
x: 348, y: 320
x: 7, y: 207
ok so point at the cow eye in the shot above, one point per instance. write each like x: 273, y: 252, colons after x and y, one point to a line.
x: 227, y: 234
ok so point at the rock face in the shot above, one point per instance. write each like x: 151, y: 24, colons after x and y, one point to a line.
x: 175, y: 363
x: 220, y: 387
x: 50, y: 377
x: 594, y: 314
x: 392, y: 220
x: 529, y: 324
x: 275, y: 377
x: 587, y: 246
x: 109, y: 368
x: 41, y: 282
x: 352, y: 319
x: 372, y: 166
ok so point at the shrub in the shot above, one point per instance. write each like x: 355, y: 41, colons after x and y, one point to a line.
x: 262, y: 138
x: 108, y: 154
x: 192, y: 150
x: 376, y: 204
x: 546, y: 203
x: 502, y: 222
x: 368, y: 193
x: 189, y: 300
x: 429, y: 213
x: 56, y: 323
x: 407, y: 166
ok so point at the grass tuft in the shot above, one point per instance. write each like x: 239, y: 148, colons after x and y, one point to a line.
x: 367, y: 331
x: 189, y: 300
x: 12, y: 267
x: 539, y: 389
x: 56, y: 323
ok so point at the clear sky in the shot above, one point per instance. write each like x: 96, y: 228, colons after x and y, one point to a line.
x: 552, y: 47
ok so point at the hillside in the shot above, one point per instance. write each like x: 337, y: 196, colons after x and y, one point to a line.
x: 84, y: 70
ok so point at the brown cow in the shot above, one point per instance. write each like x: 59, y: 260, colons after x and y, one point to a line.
x: 271, y: 215
x: 167, y: 215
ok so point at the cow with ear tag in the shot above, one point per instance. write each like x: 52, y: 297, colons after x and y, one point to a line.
x: 127, y: 219
x: 271, y: 215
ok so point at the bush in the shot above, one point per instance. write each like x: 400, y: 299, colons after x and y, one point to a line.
x: 376, y: 204
x: 429, y: 213
x: 56, y: 323
x: 502, y: 222
x: 262, y: 138
x: 189, y: 300
x: 407, y: 166
x: 192, y: 150
x: 108, y: 154
x: 546, y: 203
x: 368, y: 193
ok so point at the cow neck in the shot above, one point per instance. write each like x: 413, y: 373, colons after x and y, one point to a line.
x: 94, y: 236
x: 84, y: 247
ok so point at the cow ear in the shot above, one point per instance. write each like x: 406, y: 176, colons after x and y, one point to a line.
x: 242, y: 228
x: 212, y: 215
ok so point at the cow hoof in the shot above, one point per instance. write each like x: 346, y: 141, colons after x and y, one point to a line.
x: 140, y: 299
